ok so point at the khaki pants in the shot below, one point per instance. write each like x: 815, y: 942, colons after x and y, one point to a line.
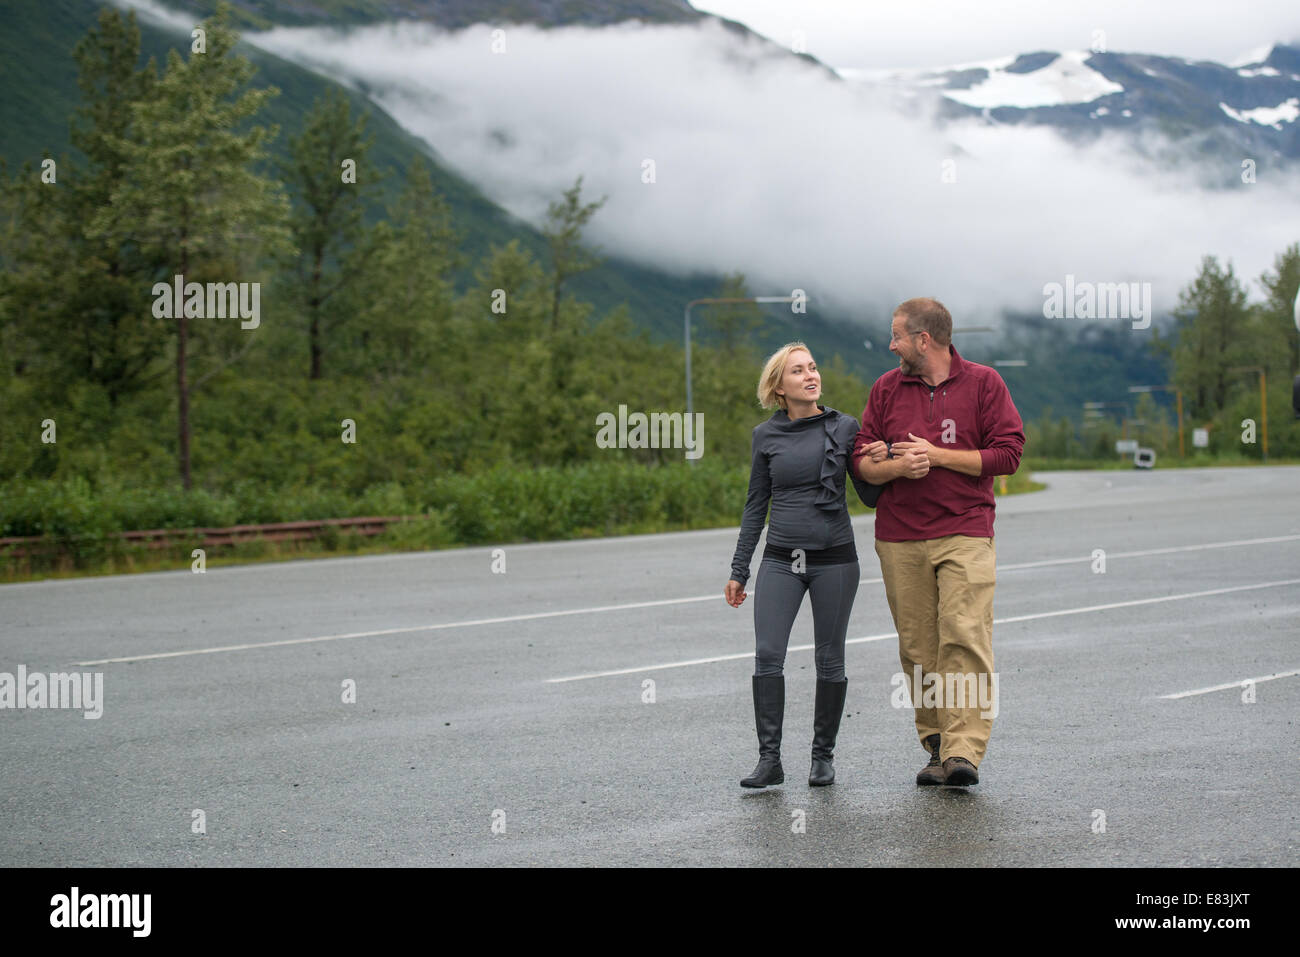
x: 940, y: 593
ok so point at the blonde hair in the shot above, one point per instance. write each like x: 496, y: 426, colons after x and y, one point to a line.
x: 774, y: 372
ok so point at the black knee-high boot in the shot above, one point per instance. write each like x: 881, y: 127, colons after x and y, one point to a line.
x: 827, y: 711
x: 769, y: 713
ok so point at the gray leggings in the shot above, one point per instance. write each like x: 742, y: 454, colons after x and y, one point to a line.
x: 778, y: 594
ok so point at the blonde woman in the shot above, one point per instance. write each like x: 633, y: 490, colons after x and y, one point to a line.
x: 800, y: 458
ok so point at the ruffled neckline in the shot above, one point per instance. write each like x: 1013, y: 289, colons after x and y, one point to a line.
x: 830, y: 494
x: 781, y: 418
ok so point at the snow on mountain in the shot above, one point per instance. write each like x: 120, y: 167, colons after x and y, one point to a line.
x: 1172, y: 107
x: 1267, y: 116
x: 1065, y: 79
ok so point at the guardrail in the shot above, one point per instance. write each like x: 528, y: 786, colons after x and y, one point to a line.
x: 157, y: 538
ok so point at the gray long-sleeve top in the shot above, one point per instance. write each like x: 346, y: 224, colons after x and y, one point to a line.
x: 799, y: 467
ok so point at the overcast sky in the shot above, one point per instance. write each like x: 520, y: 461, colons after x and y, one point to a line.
x: 905, y: 33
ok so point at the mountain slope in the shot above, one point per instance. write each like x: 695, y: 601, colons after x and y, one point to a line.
x: 459, y: 14
x: 36, y: 39
x: 452, y: 14
x: 36, y: 43
x: 38, y: 80
x: 1203, y: 108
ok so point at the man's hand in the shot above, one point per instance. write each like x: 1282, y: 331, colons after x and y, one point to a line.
x: 876, y: 451
x: 914, y: 463
x: 735, y: 593
x: 921, y: 445
x: 965, y: 461
x: 877, y: 467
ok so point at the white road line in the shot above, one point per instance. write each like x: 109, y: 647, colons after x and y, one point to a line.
x: 1110, y: 556
x: 894, y: 634
x: 1149, y: 601
x: 704, y: 661
x: 1231, y: 684
x: 641, y: 604
x: 1153, y: 551
x: 396, y: 631
x: 1144, y: 553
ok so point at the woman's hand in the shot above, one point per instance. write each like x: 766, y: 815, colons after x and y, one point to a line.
x: 735, y: 593
x: 877, y: 451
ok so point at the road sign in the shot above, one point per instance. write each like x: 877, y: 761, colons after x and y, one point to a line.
x: 1201, y: 438
x: 1126, y: 446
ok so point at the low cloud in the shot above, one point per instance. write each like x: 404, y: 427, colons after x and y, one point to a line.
x: 767, y: 165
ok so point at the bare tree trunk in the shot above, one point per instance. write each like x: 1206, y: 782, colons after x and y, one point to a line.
x: 183, y: 389
x: 182, y: 384
x: 313, y: 307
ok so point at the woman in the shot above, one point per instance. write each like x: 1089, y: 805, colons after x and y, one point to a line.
x: 800, y: 458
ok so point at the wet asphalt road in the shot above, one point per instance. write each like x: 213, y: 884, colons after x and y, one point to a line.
x: 460, y: 726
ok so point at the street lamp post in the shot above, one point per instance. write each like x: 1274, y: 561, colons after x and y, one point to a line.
x: 699, y: 302
x: 1178, y: 393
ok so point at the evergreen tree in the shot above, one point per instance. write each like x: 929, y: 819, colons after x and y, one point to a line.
x: 1212, y: 336
x: 564, y: 439
x: 1278, y: 313
x: 563, y: 232
x: 327, y: 218
x: 82, y: 313
x: 402, y: 298
x: 190, y: 195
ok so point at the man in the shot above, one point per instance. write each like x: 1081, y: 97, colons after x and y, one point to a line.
x: 951, y: 427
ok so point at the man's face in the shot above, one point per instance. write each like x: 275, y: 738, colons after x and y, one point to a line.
x: 904, y: 345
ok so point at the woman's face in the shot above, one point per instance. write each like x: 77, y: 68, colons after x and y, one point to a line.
x: 801, y: 379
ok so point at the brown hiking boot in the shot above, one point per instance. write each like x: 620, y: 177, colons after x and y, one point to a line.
x: 932, y: 773
x: 958, y: 772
